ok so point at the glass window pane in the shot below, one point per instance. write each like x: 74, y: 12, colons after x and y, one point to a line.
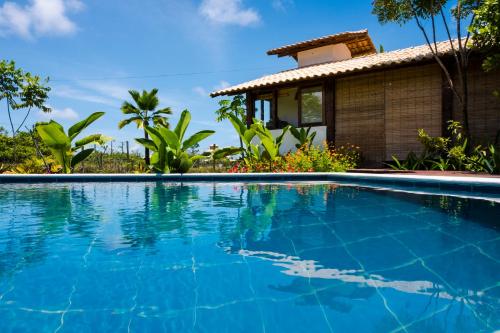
x: 312, y: 105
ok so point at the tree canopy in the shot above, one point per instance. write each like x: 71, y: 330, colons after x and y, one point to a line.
x: 21, y: 90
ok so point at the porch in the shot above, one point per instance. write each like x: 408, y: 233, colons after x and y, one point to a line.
x: 299, y: 105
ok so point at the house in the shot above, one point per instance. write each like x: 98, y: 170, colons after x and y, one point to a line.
x: 350, y: 93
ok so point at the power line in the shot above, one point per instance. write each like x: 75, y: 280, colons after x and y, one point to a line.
x: 157, y: 75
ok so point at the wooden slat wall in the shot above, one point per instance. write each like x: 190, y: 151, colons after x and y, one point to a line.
x: 412, y: 101
x: 484, y: 107
x: 359, y: 117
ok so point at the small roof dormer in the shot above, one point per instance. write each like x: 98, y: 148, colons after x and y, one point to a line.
x: 331, y: 48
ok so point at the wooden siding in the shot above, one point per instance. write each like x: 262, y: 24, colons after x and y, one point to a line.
x: 359, y: 115
x: 412, y: 101
x: 382, y: 112
x: 484, y: 107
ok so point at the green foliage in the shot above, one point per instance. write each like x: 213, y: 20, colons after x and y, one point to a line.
x: 169, y: 147
x: 36, y: 165
x: 219, y: 154
x: 25, y: 147
x: 402, y: 11
x: 232, y: 108
x: 266, y: 150
x: 250, y: 151
x: 235, y: 107
x: 67, y: 154
x: 308, y: 159
x: 269, y: 144
x: 144, y: 113
x: 412, y: 162
x: 21, y: 90
x: 485, y: 31
x: 450, y: 153
x: 303, y: 136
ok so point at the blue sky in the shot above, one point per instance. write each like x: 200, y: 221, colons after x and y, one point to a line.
x: 95, y: 50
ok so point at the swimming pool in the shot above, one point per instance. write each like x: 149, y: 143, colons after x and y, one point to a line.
x: 245, y: 257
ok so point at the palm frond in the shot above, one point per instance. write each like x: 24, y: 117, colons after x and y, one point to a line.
x: 138, y: 120
x: 135, y: 95
x: 128, y: 108
x: 164, y: 111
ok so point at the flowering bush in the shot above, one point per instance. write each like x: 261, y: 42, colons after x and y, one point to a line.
x: 308, y: 158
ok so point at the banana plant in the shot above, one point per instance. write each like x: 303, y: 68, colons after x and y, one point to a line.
x: 170, y: 148
x: 60, y: 143
x: 250, y: 151
x: 303, y: 136
x: 218, y: 154
x: 267, y: 149
x: 270, y: 144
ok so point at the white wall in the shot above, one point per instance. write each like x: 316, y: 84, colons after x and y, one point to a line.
x: 288, y: 109
x: 289, y: 141
x: 319, y: 55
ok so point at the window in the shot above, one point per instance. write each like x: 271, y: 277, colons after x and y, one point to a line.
x: 311, y: 105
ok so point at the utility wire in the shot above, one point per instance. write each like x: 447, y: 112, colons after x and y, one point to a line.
x: 157, y: 75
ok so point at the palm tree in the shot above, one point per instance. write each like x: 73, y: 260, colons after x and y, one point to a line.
x: 144, y: 113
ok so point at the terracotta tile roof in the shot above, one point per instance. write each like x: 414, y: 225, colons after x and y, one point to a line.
x: 358, y: 42
x: 379, y: 60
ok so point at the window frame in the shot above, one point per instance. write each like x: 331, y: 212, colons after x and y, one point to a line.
x: 299, y: 104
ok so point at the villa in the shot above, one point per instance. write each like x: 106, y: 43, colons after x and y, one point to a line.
x: 350, y: 93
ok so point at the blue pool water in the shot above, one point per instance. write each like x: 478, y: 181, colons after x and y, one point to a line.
x: 206, y: 257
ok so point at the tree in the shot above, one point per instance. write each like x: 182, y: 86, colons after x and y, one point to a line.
x: 235, y: 108
x: 486, y: 33
x: 402, y: 11
x: 170, y: 148
x: 21, y: 90
x: 144, y: 113
x: 60, y: 143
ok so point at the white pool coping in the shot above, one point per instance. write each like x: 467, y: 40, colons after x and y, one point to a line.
x: 238, y: 176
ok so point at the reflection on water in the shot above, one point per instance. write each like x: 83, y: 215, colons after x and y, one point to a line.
x: 318, y: 256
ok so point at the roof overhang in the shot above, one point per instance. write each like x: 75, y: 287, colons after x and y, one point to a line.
x: 358, y: 42
x: 361, y: 64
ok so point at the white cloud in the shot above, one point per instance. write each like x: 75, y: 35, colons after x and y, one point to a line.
x: 228, y: 12
x: 282, y: 5
x: 200, y: 91
x: 204, y: 93
x: 105, y: 93
x: 61, y: 114
x: 38, y: 18
x: 222, y: 85
x: 110, y: 89
x: 77, y: 94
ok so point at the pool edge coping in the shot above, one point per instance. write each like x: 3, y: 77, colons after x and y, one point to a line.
x: 385, y: 178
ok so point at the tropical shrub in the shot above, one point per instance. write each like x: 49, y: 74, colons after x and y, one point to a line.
x: 36, y: 165
x: 321, y: 159
x: 450, y: 153
x: 221, y: 153
x: 270, y: 145
x: 22, y: 147
x: 308, y: 158
x: 170, y: 150
x: 236, y: 108
x: 266, y: 150
x: 66, y: 154
x: 303, y: 136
